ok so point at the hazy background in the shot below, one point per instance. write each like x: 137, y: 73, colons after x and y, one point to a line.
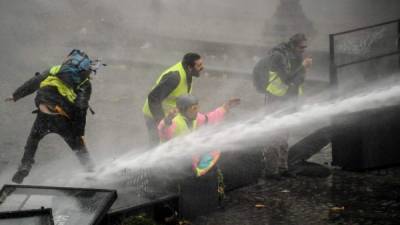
x: 139, y: 39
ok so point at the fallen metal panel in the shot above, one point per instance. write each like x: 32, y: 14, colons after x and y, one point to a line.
x: 27, y: 217
x: 71, y: 206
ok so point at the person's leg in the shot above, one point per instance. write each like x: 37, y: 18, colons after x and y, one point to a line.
x: 271, y: 160
x: 283, y: 156
x: 282, y: 104
x: 283, y: 167
x: 77, y: 144
x: 271, y: 149
x: 65, y: 128
x: 39, y: 130
x: 152, y: 131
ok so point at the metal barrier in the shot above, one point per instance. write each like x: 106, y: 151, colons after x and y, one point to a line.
x: 334, y: 66
x: 366, y: 139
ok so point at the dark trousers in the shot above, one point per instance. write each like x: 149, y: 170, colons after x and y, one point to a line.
x: 46, y: 124
x: 275, y: 153
x: 284, y: 104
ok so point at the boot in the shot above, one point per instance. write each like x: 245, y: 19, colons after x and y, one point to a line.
x: 22, y: 172
x: 89, y: 166
x: 86, y: 161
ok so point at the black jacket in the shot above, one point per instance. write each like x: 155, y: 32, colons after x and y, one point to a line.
x: 288, y: 66
x: 160, y: 92
x: 49, y: 95
x: 282, y: 60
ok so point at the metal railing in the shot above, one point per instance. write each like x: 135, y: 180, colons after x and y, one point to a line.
x: 333, y: 66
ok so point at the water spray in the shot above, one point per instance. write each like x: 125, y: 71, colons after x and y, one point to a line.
x: 245, y: 133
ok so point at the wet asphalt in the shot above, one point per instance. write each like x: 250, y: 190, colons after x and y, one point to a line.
x: 370, y: 197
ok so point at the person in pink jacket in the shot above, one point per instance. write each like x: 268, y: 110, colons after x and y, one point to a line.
x: 187, y: 118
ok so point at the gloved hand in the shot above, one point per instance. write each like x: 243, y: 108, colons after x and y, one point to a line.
x: 170, y: 116
x: 9, y: 99
x: 231, y: 103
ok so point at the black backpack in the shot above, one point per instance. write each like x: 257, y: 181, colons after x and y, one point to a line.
x: 261, y: 74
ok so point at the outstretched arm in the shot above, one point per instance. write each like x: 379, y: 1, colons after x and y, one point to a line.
x: 218, y: 114
x: 28, y: 87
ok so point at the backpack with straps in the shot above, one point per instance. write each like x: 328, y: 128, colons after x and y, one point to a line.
x: 76, y: 62
x: 260, y: 75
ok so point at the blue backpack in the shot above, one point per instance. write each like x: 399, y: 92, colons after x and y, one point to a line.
x: 76, y: 62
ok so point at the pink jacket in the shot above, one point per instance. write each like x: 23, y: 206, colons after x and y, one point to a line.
x: 168, y: 132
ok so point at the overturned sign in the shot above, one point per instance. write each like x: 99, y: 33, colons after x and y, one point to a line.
x: 70, y: 206
x: 27, y: 217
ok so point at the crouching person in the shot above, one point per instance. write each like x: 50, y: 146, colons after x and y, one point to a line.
x: 205, y: 189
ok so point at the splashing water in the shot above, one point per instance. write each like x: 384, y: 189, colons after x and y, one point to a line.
x: 246, y: 133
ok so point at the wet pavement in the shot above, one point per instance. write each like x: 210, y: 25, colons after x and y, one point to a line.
x: 342, y: 198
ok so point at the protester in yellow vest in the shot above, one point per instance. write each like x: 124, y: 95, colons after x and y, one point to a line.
x: 62, y: 99
x: 282, y: 72
x: 172, y: 83
x: 188, y: 118
x: 280, y: 76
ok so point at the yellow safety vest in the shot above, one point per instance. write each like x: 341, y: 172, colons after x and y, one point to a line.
x: 182, y: 89
x: 62, y: 88
x: 181, y: 126
x: 277, y: 87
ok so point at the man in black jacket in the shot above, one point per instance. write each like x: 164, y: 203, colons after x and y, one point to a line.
x: 172, y: 83
x: 282, y: 74
x: 62, y: 99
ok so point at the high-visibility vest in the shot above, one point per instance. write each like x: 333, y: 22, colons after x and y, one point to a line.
x: 182, y: 89
x: 62, y: 88
x: 277, y: 87
x: 181, y: 127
